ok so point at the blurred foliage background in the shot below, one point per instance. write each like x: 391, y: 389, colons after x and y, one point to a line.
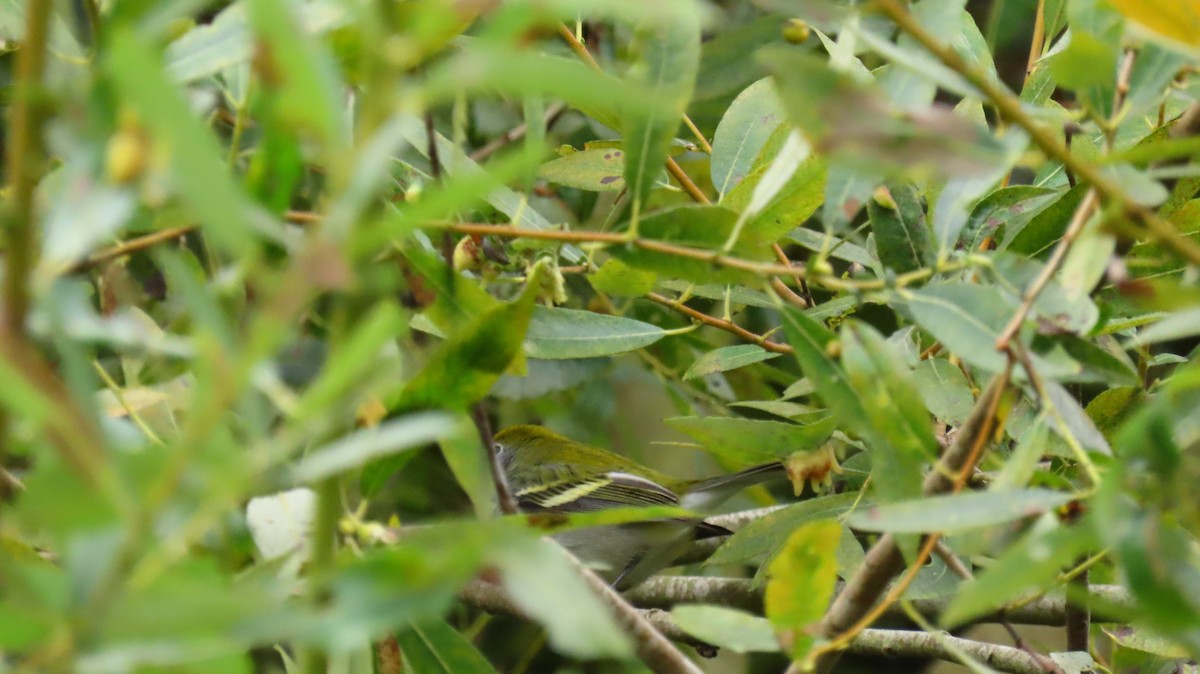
x: 275, y: 270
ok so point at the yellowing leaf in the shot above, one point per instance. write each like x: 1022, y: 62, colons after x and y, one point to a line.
x: 1176, y: 20
x: 802, y: 578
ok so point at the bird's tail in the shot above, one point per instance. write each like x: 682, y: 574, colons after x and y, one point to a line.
x: 704, y: 494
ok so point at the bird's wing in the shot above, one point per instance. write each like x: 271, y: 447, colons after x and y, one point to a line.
x: 595, y: 492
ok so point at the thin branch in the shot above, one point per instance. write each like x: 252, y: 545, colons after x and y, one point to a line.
x: 24, y: 163
x: 686, y: 183
x: 516, y: 133
x: 888, y: 643
x: 720, y: 323
x: 132, y: 246
x: 666, y: 592
x: 508, y: 504
x: 1010, y: 107
x: 940, y: 646
x: 1038, y: 40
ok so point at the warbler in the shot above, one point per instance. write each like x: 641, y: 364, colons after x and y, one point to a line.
x: 547, y: 472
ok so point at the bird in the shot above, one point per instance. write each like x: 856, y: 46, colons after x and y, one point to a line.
x: 549, y: 473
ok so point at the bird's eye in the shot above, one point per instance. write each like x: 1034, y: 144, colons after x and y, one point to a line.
x: 498, y: 448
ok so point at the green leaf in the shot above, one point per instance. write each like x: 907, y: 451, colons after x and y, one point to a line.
x: 753, y: 441
x: 727, y: 358
x: 577, y: 622
x: 966, y: 319
x: 748, y: 123
x: 956, y: 513
x: 1055, y: 305
x: 617, y: 278
x: 351, y: 361
x: 785, y: 186
x: 469, y: 461
x: 1029, y: 566
x: 199, y: 174
x: 901, y: 234
x: 702, y: 227
x: 571, y: 333
x: 306, y: 86
x: 670, y: 60
x: 597, y: 170
x: 893, y: 409
x: 1146, y: 641
x: 368, y: 444
x: 1022, y: 462
x: 765, y: 535
x: 945, y: 390
x: 811, y: 342
x: 800, y: 583
x: 465, y: 366
x: 1180, y: 325
x: 728, y: 628
x: 1088, y: 62
x: 1070, y: 420
x: 211, y: 48
x: 1005, y: 210
x: 437, y: 648
x: 1046, y: 228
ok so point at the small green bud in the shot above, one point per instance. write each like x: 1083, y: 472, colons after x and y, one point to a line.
x: 796, y: 31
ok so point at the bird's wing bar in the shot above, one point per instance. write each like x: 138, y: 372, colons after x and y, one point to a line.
x: 609, y: 490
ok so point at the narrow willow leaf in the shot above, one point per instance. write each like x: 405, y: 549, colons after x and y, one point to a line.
x: 728, y: 358
x: 577, y: 622
x: 200, y: 175
x: 764, y: 536
x: 945, y: 390
x: 901, y: 233
x: 729, y: 628
x: 784, y: 187
x: 894, y: 410
x: 744, y: 129
x: 670, y: 60
x: 693, y: 226
x: 464, y: 368
x: 468, y: 460
x: 1002, y: 211
x: 753, y: 441
x: 351, y: 361
x: 955, y: 513
x: 800, y: 583
x: 966, y: 319
x: 596, y: 170
x: 811, y: 342
x: 368, y: 444
x: 437, y: 648
x: 306, y: 86
x: 617, y: 278
x: 1032, y: 565
x: 571, y: 333
x: 211, y: 48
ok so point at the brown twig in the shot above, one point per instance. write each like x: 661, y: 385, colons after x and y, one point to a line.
x: 132, y: 246
x: 1078, y: 221
x: 24, y: 163
x: 1010, y: 107
x: 508, y: 504
x: 1038, y: 40
x: 719, y: 323
x: 516, y: 133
